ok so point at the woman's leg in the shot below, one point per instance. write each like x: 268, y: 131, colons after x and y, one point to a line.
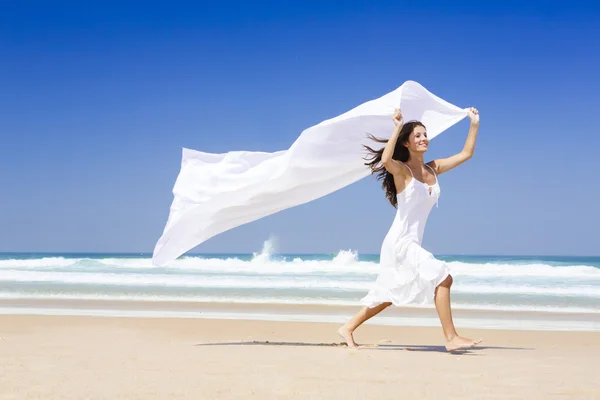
x: 442, y: 304
x: 359, y: 318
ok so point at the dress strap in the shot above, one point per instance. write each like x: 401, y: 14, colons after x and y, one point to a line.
x: 432, y: 170
x: 411, y: 174
x: 437, y: 198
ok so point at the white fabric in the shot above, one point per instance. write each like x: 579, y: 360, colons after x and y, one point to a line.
x: 217, y: 192
x: 408, y: 273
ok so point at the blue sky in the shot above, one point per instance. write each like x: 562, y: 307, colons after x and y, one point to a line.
x: 97, y: 100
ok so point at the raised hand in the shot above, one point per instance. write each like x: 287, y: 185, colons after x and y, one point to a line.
x: 397, y: 117
x: 473, y: 115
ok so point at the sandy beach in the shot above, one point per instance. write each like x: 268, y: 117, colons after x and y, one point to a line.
x: 61, y: 357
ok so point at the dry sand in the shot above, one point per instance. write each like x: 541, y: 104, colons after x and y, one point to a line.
x: 49, y: 357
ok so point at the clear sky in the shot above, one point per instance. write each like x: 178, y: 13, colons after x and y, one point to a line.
x: 98, y: 98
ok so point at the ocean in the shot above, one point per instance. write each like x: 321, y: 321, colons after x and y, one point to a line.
x: 565, y: 285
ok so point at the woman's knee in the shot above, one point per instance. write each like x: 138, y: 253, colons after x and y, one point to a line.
x: 447, y: 282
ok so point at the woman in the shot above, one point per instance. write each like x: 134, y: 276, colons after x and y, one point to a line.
x: 409, y: 274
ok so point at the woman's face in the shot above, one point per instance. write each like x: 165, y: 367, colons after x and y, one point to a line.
x: 417, y: 141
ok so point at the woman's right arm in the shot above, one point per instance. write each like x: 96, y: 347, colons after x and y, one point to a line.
x: 394, y: 167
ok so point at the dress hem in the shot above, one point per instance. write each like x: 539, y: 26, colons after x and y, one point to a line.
x: 429, y: 299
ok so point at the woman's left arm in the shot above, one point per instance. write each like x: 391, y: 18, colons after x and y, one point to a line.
x: 446, y: 164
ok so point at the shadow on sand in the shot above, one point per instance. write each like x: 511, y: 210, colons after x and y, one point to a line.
x: 388, y: 347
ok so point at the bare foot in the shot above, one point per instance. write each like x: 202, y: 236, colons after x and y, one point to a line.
x: 461, y: 343
x: 347, y: 336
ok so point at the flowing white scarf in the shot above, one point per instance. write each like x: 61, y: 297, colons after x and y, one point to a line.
x: 217, y: 192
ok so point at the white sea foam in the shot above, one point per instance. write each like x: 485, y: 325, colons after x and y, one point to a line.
x: 44, y: 262
x: 523, y: 270
x: 266, y: 282
x: 340, y: 279
x: 344, y: 263
x: 274, y: 300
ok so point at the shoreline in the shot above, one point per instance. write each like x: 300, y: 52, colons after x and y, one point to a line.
x: 393, y: 316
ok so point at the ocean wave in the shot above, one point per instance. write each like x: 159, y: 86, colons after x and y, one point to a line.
x: 45, y: 262
x: 343, y: 263
x: 270, y: 282
x: 523, y: 270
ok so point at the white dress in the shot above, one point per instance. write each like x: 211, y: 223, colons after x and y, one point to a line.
x: 408, y: 273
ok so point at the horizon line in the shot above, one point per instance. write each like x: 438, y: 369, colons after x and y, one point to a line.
x: 282, y: 254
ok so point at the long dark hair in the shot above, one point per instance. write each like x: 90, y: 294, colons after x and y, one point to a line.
x: 401, y: 153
